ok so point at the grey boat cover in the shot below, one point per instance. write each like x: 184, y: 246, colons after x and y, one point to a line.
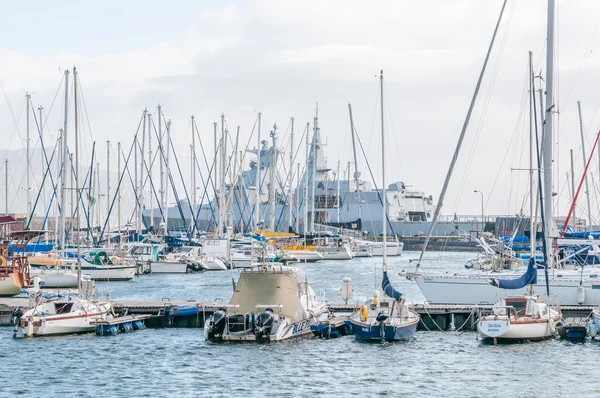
x: 269, y: 288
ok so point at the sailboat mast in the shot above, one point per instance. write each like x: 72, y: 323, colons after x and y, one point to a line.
x: 532, y: 198
x: 28, y: 154
x: 587, y: 187
x: 548, y: 134
x: 461, y: 138
x: 150, y: 161
x: 167, y: 173
x: 356, y: 174
x: 258, y: 167
x: 108, y: 188
x: 314, y: 169
x: 78, y: 219
x: 193, y: 168
x: 290, y: 193
x: 306, y: 184
x: 161, y: 155
x: 119, y: 188
x: 573, y: 190
x: 63, y: 178
x: 384, y: 197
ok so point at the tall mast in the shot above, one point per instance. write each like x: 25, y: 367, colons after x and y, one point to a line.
x: 548, y: 133
x: 193, y: 155
x: 63, y: 179
x: 135, y: 174
x: 306, y: 228
x: 258, y: 180
x: 108, y: 188
x: 532, y: 154
x: 141, y: 181
x: 161, y: 155
x: 314, y: 168
x: 298, y: 193
x: 356, y: 173
x: 338, y: 192
x: 166, y: 186
x: 384, y: 198
x: 290, y: 193
x: 347, y: 192
x: 119, y: 188
x: 150, y: 161
x: 272, y: 168
x: 222, y: 176
x: 461, y: 138
x: 573, y: 189
x: 28, y: 154
x: 40, y: 109
x: 587, y: 187
x: 6, y: 186
x: 78, y: 219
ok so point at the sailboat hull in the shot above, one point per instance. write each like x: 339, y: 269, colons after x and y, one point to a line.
x: 10, y: 285
x: 506, y: 330
x: 472, y: 290
x: 373, y: 332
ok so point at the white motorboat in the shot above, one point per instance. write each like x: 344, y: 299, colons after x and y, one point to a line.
x: 303, y: 253
x: 518, y: 318
x: 270, y: 303
x: 100, y: 267
x: 166, y: 266
x: 341, y: 252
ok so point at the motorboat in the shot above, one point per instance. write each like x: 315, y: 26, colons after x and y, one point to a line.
x: 101, y: 267
x: 61, y: 314
x: 519, y: 318
x: 336, y: 252
x: 270, y: 303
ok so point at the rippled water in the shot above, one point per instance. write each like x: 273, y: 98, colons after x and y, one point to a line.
x: 178, y: 362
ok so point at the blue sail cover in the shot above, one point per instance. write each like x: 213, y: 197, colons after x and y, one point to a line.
x: 388, y: 289
x: 528, y: 278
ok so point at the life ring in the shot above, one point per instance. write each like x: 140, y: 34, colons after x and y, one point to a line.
x: 364, y: 313
x: 2, y: 261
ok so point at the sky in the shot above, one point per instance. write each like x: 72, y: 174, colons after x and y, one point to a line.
x: 285, y: 59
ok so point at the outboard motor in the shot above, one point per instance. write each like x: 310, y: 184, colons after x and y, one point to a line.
x: 381, y: 317
x: 217, y: 325
x: 16, y: 316
x: 262, y: 330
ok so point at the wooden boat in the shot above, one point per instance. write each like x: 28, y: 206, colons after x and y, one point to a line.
x: 14, y: 266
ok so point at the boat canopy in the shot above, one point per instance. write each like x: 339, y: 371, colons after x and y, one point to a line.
x: 528, y: 278
x: 268, y: 288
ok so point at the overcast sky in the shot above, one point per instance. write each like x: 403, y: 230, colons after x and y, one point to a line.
x: 282, y: 57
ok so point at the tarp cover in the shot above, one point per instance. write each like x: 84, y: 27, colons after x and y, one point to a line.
x: 268, y: 288
x: 388, y: 289
x: 528, y: 278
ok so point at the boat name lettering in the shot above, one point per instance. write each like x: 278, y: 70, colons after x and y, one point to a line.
x: 300, y: 327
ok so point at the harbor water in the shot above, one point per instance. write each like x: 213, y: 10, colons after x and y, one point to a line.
x: 178, y: 362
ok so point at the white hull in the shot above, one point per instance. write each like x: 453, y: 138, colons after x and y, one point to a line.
x: 55, y: 278
x: 78, y: 321
x: 336, y: 253
x: 285, y: 332
x: 393, y: 249
x: 596, y: 316
x: 308, y: 255
x: 503, y: 329
x: 110, y: 272
x: 448, y: 289
x: 213, y: 264
x: 168, y: 267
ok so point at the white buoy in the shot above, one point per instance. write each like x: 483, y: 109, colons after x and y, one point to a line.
x: 580, y: 295
x: 376, y: 297
x: 347, y: 289
x: 593, y: 329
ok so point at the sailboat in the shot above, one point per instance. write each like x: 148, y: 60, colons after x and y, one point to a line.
x: 517, y: 318
x: 64, y: 314
x: 385, y: 320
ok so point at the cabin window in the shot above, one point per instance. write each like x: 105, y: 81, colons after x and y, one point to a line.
x: 62, y: 308
x: 519, y: 306
x: 595, y: 286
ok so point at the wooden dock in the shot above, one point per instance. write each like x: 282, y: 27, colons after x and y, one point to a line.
x: 434, y: 317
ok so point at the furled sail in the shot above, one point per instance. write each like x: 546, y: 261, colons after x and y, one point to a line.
x: 388, y: 289
x: 528, y: 278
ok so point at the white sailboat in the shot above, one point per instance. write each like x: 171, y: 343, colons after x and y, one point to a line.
x: 55, y: 315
